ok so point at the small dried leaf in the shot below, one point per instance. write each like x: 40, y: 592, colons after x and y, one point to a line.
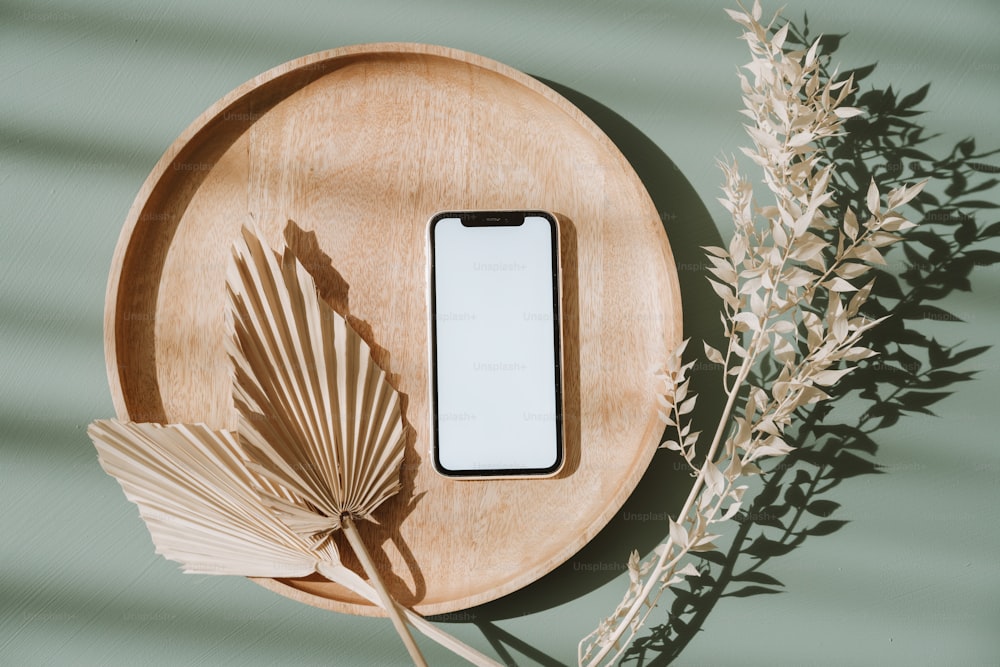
x: 801, y: 139
x: 811, y: 57
x: 782, y: 327
x: 869, y: 254
x: 813, y: 395
x: 767, y: 280
x: 838, y: 285
x: 850, y: 271
x: 739, y: 17
x: 715, y: 250
x: 725, y: 293
x: 872, y: 198
x: 797, y: 277
x: 687, y: 406
x: 807, y: 246
x: 814, y: 328
x: 714, y: 480
x: 691, y: 440
x: 881, y: 239
x: 775, y: 447
x: 851, y: 224
x: 741, y: 438
x: 858, y: 353
x: 734, y: 469
x: 783, y: 350
x: 903, y: 195
x: 838, y: 327
x: 830, y: 377
x: 768, y: 426
x: 859, y: 298
x: 848, y: 112
x: 705, y: 541
x: 678, y: 535
x: 779, y: 37
x: 749, y: 319
x: 688, y: 570
x: 738, y: 248
x: 896, y: 223
x: 722, y: 269
x: 633, y: 567
x: 713, y: 354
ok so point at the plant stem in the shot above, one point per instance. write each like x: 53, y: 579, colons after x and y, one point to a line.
x: 692, y: 496
x: 337, y: 573
x: 390, y: 606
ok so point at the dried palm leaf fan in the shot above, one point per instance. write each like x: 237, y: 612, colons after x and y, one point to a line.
x: 317, y: 416
x: 319, y: 446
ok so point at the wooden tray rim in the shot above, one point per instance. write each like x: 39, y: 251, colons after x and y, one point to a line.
x: 114, y: 287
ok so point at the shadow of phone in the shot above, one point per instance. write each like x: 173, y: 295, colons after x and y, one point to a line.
x: 570, y: 320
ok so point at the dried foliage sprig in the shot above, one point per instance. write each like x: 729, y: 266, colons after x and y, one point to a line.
x: 913, y: 372
x: 790, y: 306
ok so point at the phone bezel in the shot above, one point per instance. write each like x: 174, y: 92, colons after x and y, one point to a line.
x: 491, y: 218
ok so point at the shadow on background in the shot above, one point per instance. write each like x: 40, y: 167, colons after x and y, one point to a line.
x: 912, y: 372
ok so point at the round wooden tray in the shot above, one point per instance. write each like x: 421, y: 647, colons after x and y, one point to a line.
x: 346, y: 154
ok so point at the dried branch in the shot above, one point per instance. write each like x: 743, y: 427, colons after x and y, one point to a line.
x: 777, y: 269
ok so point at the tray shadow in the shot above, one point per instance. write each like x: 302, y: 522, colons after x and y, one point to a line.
x: 642, y: 521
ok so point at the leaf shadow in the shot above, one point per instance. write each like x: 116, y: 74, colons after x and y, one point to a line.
x: 912, y: 372
x: 501, y: 640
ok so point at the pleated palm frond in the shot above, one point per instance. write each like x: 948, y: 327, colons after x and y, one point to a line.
x: 317, y: 414
x: 200, y: 502
x: 319, y: 444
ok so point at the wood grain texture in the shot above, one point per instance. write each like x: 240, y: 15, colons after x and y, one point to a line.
x: 346, y: 154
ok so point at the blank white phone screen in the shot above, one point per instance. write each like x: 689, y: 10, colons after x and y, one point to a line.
x: 496, y: 346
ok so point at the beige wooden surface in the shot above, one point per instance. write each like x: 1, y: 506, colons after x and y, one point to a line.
x: 347, y: 154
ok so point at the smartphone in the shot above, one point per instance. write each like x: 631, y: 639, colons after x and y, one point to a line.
x: 495, y: 344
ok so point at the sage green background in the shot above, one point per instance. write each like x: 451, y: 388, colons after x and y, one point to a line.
x: 93, y: 92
